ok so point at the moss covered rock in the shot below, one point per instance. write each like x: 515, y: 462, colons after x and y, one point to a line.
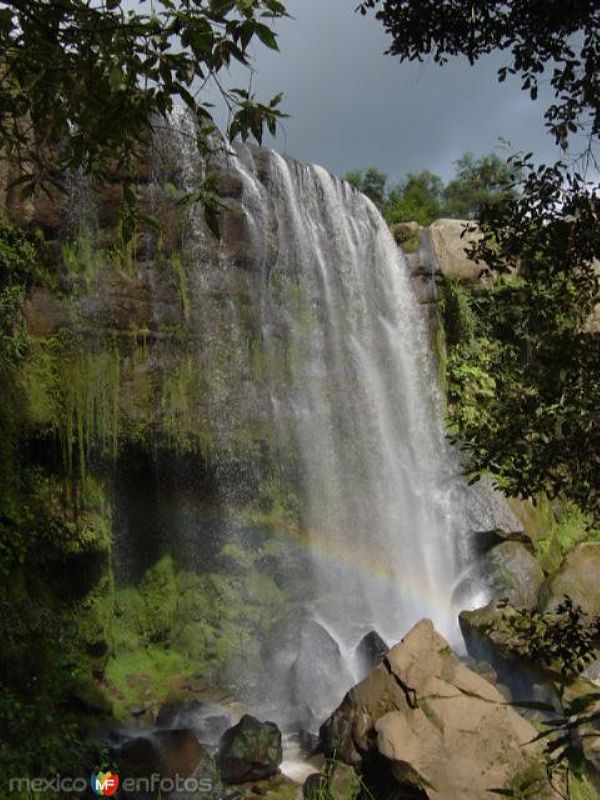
x: 251, y: 750
x: 578, y: 578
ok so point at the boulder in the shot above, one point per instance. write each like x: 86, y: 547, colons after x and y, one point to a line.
x: 448, y: 245
x: 251, y: 750
x: 343, y: 783
x: 338, y: 782
x: 515, y: 574
x: 432, y: 723
x: 577, y: 578
x: 168, y: 753
x: 506, y: 571
x: 490, y: 515
x: 371, y: 650
x: 319, y: 669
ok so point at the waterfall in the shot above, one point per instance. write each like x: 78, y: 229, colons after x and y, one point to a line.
x: 352, y: 390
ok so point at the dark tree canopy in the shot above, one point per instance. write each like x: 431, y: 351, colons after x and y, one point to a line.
x: 83, y: 81
x: 537, y: 429
x: 543, y: 37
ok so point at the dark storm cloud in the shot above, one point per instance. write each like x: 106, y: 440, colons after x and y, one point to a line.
x: 354, y: 107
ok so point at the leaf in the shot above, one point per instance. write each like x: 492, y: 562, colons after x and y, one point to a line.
x: 582, y: 703
x: 266, y: 35
x: 533, y: 705
x: 115, y: 78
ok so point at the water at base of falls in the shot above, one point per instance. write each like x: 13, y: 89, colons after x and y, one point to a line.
x: 383, y: 503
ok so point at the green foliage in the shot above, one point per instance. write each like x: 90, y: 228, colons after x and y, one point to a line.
x: 48, y: 702
x: 471, y: 387
x: 543, y: 434
x: 371, y: 182
x: 422, y: 197
x: 19, y: 257
x: 564, y: 526
x: 157, y: 595
x: 13, y: 336
x: 455, y: 305
x: 84, y: 83
x: 530, y: 782
x: 581, y: 789
x: 337, y: 781
x: 418, y: 198
x: 42, y: 747
x: 20, y: 265
x: 176, y: 626
x: 277, y: 506
x: 72, y: 392
x: 479, y: 183
x: 406, y: 235
x: 534, y: 367
x: 563, y: 641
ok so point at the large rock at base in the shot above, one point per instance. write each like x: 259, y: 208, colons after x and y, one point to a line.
x: 168, y: 753
x: 577, y: 578
x: 251, y: 750
x: 437, y: 725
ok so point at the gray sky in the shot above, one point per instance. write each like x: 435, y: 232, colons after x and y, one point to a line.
x: 352, y: 107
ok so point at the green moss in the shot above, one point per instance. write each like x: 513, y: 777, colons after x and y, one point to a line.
x: 73, y: 393
x: 530, y: 782
x: 148, y: 610
x: 174, y: 628
x: 277, y: 506
x: 441, y: 352
x: 407, y: 236
x: 185, y: 420
x: 454, y: 305
x: 82, y: 260
x: 581, y: 788
x: 555, y: 527
x: 144, y: 674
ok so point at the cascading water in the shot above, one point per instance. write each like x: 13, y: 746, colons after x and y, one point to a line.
x: 382, y: 513
x: 357, y: 403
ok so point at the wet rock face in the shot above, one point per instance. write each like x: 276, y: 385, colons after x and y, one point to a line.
x: 515, y: 574
x: 577, y: 578
x: 519, y: 572
x: 371, y: 650
x: 251, y: 750
x: 316, y: 671
x: 431, y: 723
